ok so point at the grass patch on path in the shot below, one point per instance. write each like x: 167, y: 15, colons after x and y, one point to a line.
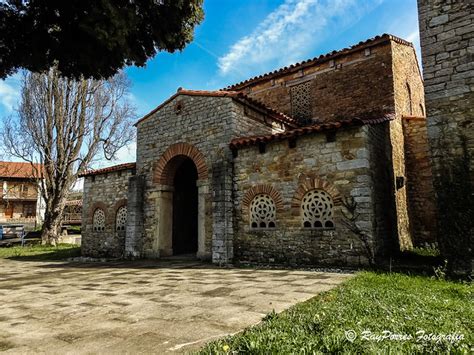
x: 41, y: 252
x: 381, y: 305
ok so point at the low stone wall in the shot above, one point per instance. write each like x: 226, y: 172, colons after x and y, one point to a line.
x: 340, y: 167
x: 109, y: 192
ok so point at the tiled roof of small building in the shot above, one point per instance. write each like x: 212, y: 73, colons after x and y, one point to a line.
x: 73, y: 203
x: 320, y: 59
x: 109, y: 169
x: 238, y: 96
x: 323, y: 127
x: 19, y: 170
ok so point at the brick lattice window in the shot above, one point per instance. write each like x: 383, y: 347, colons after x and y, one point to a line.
x: 121, y: 218
x: 98, y: 220
x: 317, y: 210
x: 301, y: 107
x: 262, y: 212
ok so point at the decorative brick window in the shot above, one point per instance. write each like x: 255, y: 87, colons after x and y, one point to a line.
x: 121, y: 219
x: 317, y: 210
x: 262, y: 212
x: 98, y: 221
x: 301, y: 107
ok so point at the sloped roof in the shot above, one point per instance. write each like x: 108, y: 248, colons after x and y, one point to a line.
x: 237, y: 143
x: 109, y: 169
x: 9, y: 169
x: 320, y: 59
x: 73, y: 203
x: 238, y: 96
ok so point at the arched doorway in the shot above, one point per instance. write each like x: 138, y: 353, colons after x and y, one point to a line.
x: 181, y: 197
x: 185, y: 208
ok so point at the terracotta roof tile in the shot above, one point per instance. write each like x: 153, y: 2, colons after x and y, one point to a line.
x: 238, y: 96
x: 320, y: 59
x: 73, y: 203
x: 357, y: 121
x: 109, y: 169
x: 10, y: 169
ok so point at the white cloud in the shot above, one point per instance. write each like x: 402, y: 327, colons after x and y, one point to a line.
x: 414, y: 37
x: 10, y: 93
x: 291, y: 31
x: 127, y: 154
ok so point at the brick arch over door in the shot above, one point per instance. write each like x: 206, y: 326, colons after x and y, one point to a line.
x: 167, y: 165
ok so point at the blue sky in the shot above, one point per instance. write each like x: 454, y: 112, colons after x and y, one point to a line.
x: 242, y: 38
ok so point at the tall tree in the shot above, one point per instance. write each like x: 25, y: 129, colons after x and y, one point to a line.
x: 93, y: 38
x: 65, y: 124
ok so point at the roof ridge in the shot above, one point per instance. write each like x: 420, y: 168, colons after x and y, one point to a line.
x: 281, y: 115
x: 237, y: 95
x: 321, y: 58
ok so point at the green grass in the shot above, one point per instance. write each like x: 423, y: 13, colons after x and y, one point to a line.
x: 41, y: 252
x: 426, y: 252
x: 372, y: 302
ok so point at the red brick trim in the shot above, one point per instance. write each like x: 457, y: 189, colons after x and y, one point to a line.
x: 118, y: 204
x: 165, y: 167
x: 262, y: 189
x: 102, y: 206
x: 308, y: 183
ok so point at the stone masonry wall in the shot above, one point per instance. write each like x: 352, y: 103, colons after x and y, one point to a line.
x: 109, y: 192
x: 409, y: 101
x: 381, y: 78
x: 346, y: 87
x: 385, y: 209
x: 447, y: 45
x: 421, y: 196
x: 208, y: 124
x: 342, y: 168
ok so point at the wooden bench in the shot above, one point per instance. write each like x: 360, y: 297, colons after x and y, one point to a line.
x: 15, y: 234
x: 11, y: 234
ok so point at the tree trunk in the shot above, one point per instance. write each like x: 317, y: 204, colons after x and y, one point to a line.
x: 63, y: 124
x: 52, y: 224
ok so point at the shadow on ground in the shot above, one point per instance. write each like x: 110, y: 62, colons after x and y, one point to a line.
x: 53, y: 255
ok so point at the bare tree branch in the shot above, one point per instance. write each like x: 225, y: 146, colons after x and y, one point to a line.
x: 65, y: 124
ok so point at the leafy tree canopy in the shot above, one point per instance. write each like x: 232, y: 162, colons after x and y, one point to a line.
x: 93, y: 38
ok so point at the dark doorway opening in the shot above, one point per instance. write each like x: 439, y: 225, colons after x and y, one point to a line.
x: 185, y: 209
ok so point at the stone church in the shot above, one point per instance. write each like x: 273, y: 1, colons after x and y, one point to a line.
x: 322, y: 162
